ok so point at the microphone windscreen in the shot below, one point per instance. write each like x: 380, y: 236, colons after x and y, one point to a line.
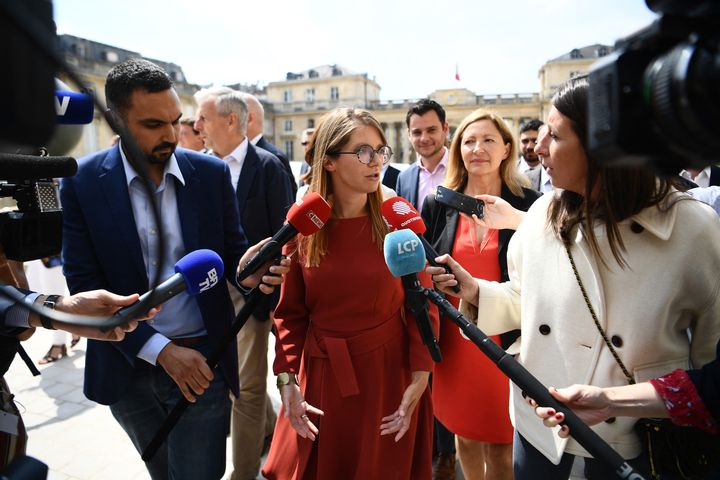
x: 404, y: 253
x: 30, y: 167
x: 309, y: 214
x: 202, y: 269
x: 399, y: 214
x: 73, y: 108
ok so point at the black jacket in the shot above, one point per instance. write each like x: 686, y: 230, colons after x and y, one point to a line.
x: 442, y: 222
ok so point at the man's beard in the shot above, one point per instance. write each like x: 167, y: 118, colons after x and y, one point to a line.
x: 154, y: 158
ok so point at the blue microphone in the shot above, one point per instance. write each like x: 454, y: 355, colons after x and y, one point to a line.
x: 73, y: 108
x: 195, y: 273
x: 405, y: 257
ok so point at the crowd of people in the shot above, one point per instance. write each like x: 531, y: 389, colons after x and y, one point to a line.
x: 570, y: 267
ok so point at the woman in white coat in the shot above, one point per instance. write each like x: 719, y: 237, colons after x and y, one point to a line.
x: 648, y: 257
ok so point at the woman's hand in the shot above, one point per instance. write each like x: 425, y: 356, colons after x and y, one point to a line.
x: 399, y: 421
x: 590, y: 403
x: 459, y: 276
x: 498, y: 214
x: 297, y: 409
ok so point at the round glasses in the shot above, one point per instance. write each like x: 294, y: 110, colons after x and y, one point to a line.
x: 366, y: 154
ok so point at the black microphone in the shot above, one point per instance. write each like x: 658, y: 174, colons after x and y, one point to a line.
x: 31, y: 167
x: 306, y: 216
x: 405, y: 257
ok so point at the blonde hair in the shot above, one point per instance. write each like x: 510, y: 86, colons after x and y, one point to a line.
x: 457, y: 175
x: 332, y: 133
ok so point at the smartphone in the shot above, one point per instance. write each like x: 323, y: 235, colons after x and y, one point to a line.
x: 459, y: 201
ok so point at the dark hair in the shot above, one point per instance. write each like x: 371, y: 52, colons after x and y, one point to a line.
x: 612, y: 194
x: 130, y: 75
x: 533, y: 124
x: 421, y: 107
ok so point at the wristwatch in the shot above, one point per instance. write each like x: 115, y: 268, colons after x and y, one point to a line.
x: 49, y: 302
x: 285, y: 378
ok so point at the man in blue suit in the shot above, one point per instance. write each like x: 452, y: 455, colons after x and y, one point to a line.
x: 111, y: 240
x: 264, y: 193
x: 428, y: 132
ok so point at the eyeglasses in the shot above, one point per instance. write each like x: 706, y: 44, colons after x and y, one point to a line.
x: 366, y: 154
x: 304, y: 144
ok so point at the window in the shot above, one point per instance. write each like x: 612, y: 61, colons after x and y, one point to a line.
x: 334, y: 93
x: 289, y: 149
x: 310, y: 95
x: 575, y: 53
x: 288, y: 125
x: 287, y: 96
x: 111, y: 56
x: 311, y: 123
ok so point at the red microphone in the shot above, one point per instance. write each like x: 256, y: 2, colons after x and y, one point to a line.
x: 399, y: 214
x: 306, y: 216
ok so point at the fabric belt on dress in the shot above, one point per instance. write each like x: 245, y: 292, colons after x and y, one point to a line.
x: 341, y: 350
x: 189, y: 341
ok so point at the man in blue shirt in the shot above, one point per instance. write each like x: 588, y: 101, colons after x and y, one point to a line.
x: 112, y: 240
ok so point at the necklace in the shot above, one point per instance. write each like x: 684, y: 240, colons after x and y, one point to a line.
x: 487, y: 237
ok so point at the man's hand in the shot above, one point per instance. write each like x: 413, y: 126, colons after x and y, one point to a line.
x: 266, y: 282
x: 96, y: 303
x: 188, y: 368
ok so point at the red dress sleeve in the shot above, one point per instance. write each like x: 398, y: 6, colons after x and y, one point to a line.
x: 291, y: 320
x: 420, y: 360
x: 682, y: 401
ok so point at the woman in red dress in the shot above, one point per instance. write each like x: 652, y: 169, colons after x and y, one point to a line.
x: 481, y: 161
x: 352, y: 369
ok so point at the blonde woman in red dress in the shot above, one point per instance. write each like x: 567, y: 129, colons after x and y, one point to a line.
x: 482, y: 161
x: 352, y: 369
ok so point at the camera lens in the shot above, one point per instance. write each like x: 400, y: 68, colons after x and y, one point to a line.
x: 680, y: 87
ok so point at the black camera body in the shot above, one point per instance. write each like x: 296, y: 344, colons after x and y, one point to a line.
x: 655, y: 100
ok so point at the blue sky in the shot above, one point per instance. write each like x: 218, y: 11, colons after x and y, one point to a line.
x: 410, y: 47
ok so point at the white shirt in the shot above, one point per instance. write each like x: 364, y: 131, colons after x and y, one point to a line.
x: 523, y: 166
x: 545, y: 180
x: 702, y: 179
x: 235, y: 160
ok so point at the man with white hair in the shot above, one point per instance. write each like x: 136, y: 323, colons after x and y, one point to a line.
x: 264, y: 194
x: 255, y: 127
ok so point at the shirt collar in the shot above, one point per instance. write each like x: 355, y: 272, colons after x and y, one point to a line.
x: 256, y: 139
x: 443, y: 162
x: 171, y: 168
x: 659, y: 219
x: 239, y: 153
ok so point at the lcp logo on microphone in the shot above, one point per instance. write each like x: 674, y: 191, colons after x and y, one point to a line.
x: 210, y: 281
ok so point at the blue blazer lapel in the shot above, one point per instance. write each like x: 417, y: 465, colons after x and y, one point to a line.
x: 113, y: 183
x: 247, y: 174
x: 187, y: 202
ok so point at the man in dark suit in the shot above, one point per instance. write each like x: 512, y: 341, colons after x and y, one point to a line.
x: 264, y: 194
x: 255, y: 127
x: 428, y: 132
x: 112, y: 240
x: 390, y: 176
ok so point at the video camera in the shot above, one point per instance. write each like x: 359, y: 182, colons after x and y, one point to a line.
x: 655, y: 101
